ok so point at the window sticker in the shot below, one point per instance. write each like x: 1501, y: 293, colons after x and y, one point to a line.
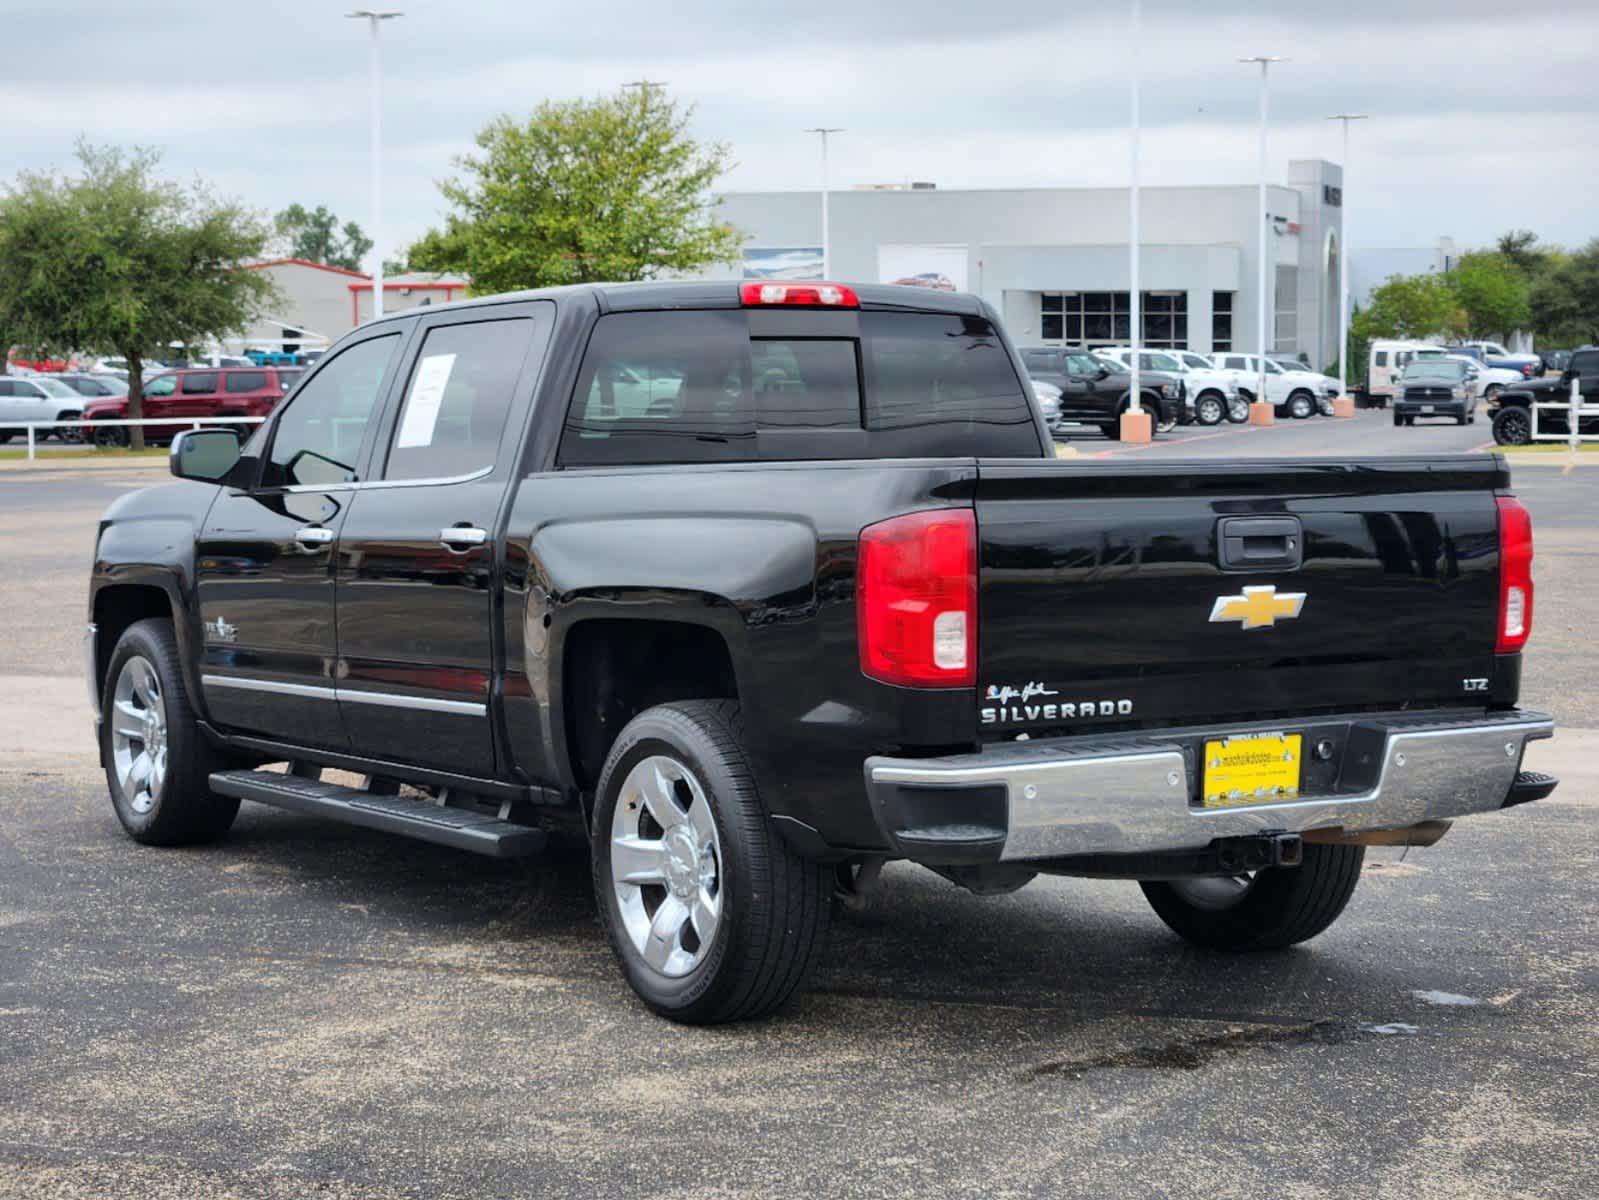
x: 422, y: 405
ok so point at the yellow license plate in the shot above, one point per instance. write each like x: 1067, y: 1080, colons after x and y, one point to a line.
x: 1251, y: 770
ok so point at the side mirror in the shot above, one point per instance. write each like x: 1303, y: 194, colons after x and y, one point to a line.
x: 204, y: 454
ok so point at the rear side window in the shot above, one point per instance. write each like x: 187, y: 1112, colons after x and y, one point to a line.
x: 692, y: 387
x: 943, y: 386
x: 243, y: 381
x: 200, y: 383
x: 1585, y: 365
x: 457, y: 399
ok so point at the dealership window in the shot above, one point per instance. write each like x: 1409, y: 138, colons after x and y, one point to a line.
x: 1221, y: 320
x: 1287, y: 314
x: 1105, y: 318
x: 1165, y: 319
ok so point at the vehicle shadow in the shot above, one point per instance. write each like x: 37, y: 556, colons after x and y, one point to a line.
x: 1059, y: 952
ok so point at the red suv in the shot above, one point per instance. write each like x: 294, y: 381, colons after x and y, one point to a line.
x: 191, y: 395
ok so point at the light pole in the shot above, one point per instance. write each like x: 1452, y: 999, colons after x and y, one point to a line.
x: 374, y: 19
x: 1263, y: 214
x: 1135, y: 296
x: 1343, y: 259
x: 827, y: 251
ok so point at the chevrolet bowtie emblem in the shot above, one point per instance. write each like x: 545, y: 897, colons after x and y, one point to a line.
x: 1258, y: 607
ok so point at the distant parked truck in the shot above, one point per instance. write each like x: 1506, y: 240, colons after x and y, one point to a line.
x: 1385, y: 363
x: 1495, y: 355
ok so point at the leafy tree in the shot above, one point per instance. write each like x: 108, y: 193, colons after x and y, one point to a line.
x: 1521, y: 247
x: 1492, y: 290
x: 1564, y: 301
x: 606, y: 189
x: 118, y: 261
x: 316, y: 236
x: 1410, y: 306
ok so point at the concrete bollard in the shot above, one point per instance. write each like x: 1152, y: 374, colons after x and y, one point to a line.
x: 1137, y: 426
x: 1343, y: 406
x: 1262, y: 413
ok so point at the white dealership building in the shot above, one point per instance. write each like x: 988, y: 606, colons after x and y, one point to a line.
x: 1054, y: 260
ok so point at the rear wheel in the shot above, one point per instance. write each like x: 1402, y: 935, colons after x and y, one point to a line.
x: 1268, y: 910
x: 711, y: 914
x: 1512, y: 427
x: 1238, y: 410
x: 1210, y: 409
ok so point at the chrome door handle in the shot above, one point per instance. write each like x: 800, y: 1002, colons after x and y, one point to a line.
x: 463, y: 537
x: 313, y: 536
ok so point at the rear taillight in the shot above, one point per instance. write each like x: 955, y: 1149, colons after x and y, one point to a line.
x: 916, y: 599
x: 804, y: 295
x: 1515, y: 575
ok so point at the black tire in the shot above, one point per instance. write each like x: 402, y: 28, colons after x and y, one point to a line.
x: 1410, y: 421
x: 1493, y: 389
x: 1512, y: 427
x: 1281, y: 907
x: 773, y: 904
x: 1237, y: 411
x: 1211, y: 409
x: 183, y: 809
x: 5, y: 437
x: 1398, y: 421
x: 1301, y: 405
x: 1461, y: 419
x: 68, y: 435
x: 112, y: 437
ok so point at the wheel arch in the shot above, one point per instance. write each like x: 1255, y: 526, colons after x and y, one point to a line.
x: 611, y: 668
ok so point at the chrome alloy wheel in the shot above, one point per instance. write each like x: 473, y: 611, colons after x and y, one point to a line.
x: 139, y: 734
x: 1214, y: 893
x: 666, y: 865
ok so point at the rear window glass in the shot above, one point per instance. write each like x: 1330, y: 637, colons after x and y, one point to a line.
x: 690, y: 387
x: 1585, y: 365
x: 245, y: 381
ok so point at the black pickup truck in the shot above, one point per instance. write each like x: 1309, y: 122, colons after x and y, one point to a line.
x: 759, y: 586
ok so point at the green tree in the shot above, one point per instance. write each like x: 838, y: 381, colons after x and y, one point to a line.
x: 118, y: 261
x: 316, y: 236
x: 1564, y: 301
x: 1521, y: 247
x: 1410, y: 306
x: 1492, y: 291
x: 606, y: 189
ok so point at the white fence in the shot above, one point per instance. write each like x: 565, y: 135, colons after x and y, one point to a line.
x: 33, y: 428
x: 1576, y: 411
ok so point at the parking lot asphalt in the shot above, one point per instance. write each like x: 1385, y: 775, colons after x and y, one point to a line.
x: 306, y: 1009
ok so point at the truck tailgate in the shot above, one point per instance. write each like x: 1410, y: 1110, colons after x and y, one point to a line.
x: 1114, y: 596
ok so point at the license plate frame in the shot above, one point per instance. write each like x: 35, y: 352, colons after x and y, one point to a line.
x: 1247, y: 769
x: 1426, y: 410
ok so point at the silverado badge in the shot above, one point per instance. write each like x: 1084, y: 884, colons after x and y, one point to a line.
x: 1258, y: 607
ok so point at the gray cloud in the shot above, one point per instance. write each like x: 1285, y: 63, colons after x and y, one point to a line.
x: 269, y: 102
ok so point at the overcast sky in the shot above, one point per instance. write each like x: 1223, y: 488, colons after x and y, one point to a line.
x: 1484, y: 115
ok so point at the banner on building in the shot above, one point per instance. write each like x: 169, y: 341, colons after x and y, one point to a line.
x: 782, y: 262
x: 934, y: 266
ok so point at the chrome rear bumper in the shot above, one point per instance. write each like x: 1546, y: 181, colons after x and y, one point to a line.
x: 1137, y: 793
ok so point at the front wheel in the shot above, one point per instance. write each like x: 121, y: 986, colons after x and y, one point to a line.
x: 1268, y: 910
x: 1512, y: 427
x: 112, y: 437
x: 710, y: 913
x: 1301, y: 405
x: 157, y: 763
x: 1210, y: 410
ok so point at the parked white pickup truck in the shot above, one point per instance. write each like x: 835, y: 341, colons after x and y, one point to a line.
x: 1293, y: 393
x: 1212, y: 395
